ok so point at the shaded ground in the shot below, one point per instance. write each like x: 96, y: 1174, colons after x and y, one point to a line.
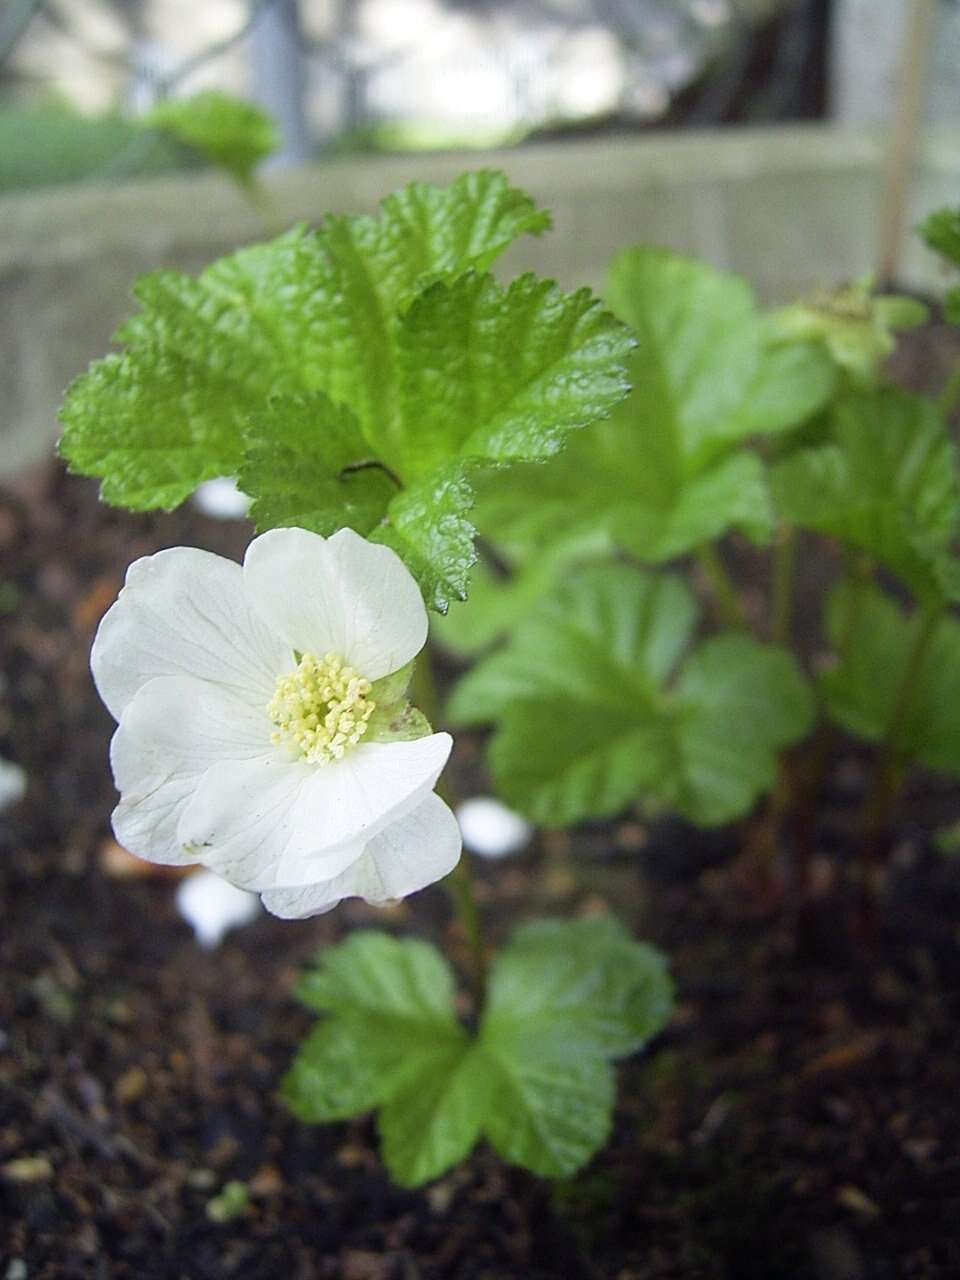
x: 799, y: 1119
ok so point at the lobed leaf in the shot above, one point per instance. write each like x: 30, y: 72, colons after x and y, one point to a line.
x: 941, y: 231
x: 229, y: 132
x: 536, y: 1079
x: 668, y: 472
x: 591, y: 714
x: 874, y: 638
x: 331, y: 368
x: 886, y: 482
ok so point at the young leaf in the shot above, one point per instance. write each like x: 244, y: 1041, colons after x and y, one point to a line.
x: 886, y: 482
x: 584, y: 982
x: 856, y: 326
x: 324, y: 366
x: 667, y: 472
x: 588, y: 718
x: 941, y: 230
x: 875, y: 637
x: 230, y: 133
x: 392, y: 1018
x: 307, y: 465
x: 565, y: 996
x: 535, y: 1081
x: 304, y: 312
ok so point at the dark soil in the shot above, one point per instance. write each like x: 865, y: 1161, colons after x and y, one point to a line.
x: 799, y: 1119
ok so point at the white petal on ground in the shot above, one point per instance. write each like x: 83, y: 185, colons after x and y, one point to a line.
x: 492, y: 830
x: 408, y: 855
x: 221, y: 500
x: 275, y: 824
x: 183, y: 612
x: 13, y: 784
x: 213, y: 906
x: 339, y: 595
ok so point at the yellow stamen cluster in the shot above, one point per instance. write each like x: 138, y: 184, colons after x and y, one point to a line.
x: 322, y: 709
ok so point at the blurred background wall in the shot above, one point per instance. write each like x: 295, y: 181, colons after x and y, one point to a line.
x: 753, y: 132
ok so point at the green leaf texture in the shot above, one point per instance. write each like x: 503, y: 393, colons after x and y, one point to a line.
x: 332, y: 369
x: 594, y: 707
x: 885, y: 482
x: 669, y: 471
x: 875, y: 637
x: 233, y: 134
x: 564, y: 999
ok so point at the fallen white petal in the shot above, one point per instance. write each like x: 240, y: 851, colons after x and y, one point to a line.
x: 13, y: 784
x: 212, y: 906
x: 492, y: 830
x: 221, y: 500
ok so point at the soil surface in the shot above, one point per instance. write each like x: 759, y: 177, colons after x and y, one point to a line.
x: 798, y: 1120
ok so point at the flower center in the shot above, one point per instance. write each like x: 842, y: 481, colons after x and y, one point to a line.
x: 322, y: 709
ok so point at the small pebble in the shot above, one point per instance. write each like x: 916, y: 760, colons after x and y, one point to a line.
x: 131, y: 1085
x: 13, y: 784
x: 213, y: 907
x: 221, y: 500
x: 28, y: 1169
x: 492, y: 830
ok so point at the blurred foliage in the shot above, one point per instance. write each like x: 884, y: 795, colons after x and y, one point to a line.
x: 47, y: 145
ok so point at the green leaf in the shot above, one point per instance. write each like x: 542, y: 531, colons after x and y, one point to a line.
x: 230, y: 133
x: 668, y: 472
x: 428, y: 526
x: 392, y: 1020
x: 535, y: 1081
x: 327, y: 367
x: 503, y: 374
x: 583, y: 982
x: 564, y: 997
x: 497, y: 603
x: 885, y: 482
x: 307, y: 465
x: 875, y: 637
x: 941, y: 230
x: 592, y: 715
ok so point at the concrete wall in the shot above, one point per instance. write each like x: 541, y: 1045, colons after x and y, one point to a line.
x: 789, y: 208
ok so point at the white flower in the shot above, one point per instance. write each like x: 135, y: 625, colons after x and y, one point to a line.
x: 250, y: 737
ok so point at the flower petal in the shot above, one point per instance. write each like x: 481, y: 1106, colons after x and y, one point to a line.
x: 193, y: 724
x: 339, y: 595
x: 272, y: 824
x: 172, y: 731
x: 153, y: 797
x: 406, y: 856
x: 184, y: 612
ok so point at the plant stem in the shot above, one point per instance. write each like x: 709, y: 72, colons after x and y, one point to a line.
x: 725, y: 593
x: 781, y: 593
x: 950, y: 394
x: 459, y: 883
x: 888, y: 778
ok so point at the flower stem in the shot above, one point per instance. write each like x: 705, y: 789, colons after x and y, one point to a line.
x: 781, y: 593
x: 459, y: 883
x: 888, y: 778
x: 950, y: 394
x: 725, y: 593
x: 891, y: 767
